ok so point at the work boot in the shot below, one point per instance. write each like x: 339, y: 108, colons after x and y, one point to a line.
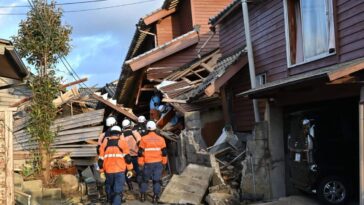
x: 130, y: 186
x: 142, y: 197
x: 155, y: 199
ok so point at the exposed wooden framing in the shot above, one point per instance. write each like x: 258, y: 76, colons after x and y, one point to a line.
x: 139, y: 89
x: 74, y: 83
x: 18, y: 103
x: 334, y: 75
x: 164, y: 51
x: 117, y: 108
x: 216, y: 85
x: 158, y: 15
x: 168, y: 100
x: 65, y: 97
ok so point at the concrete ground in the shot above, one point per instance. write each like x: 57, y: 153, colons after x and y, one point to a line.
x: 297, y: 200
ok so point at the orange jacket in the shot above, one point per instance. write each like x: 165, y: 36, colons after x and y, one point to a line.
x: 132, y: 138
x: 152, y: 148
x: 114, y: 152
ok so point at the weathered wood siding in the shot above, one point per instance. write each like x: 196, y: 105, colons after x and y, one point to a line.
x: 232, y: 36
x: 202, y: 10
x: 240, y: 109
x: 269, y: 43
x: 165, y: 30
x: 184, y: 17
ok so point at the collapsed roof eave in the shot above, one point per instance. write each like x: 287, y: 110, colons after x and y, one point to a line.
x: 19, y: 71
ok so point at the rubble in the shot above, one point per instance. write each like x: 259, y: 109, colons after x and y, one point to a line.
x: 189, y: 187
x: 68, y: 183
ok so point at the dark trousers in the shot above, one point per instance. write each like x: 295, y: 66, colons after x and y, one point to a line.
x: 152, y: 171
x: 134, y: 161
x: 114, y: 187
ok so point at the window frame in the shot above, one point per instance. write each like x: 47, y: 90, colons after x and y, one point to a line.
x: 259, y: 77
x: 287, y: 37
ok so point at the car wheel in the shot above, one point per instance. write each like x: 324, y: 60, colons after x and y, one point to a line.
x: 333, y: 190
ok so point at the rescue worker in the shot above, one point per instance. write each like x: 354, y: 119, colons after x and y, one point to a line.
x: 110, y: 121
x: 114, y: 161
x: 154, y: 103
x: 132, y: 139
x: 141, y: 126
x: 152, y: 159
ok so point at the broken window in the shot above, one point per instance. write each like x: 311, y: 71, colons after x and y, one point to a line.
x: 310, y: 28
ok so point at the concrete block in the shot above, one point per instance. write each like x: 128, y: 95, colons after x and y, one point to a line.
x: 68, y: 184
x: 33, y: 187
x: 192, y: 120
x: 189, y: 187
x: 261, y: 130
x: 221, y: 199
x: 52, y: 193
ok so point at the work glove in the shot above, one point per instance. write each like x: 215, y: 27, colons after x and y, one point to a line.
x: 102, y: 177
x: 129, y: 174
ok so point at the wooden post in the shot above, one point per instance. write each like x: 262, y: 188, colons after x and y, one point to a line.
x: 361, y: 145
x: 6, y: 155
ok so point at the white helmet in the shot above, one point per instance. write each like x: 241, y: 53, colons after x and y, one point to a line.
x: 110, y: 121
x: 115, y: 129
x: 126, y: 123
x: 141, y: 119
x: 151, y: 125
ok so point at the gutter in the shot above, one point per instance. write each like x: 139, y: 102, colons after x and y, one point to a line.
x: 250, y: 56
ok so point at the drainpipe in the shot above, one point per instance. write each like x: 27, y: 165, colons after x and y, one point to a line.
x: 250, y: 57
x: 149, y: 33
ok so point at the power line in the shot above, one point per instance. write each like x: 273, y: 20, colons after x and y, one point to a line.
x: 85, y: 10
x: 58, y: 4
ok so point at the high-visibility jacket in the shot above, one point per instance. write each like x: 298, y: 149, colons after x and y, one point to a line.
x: 114, y: 155
x: 132, y: 138
x: 102, y: 136
x: 152, y: 149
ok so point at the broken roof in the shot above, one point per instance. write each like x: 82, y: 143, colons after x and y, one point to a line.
x: 11, y: 64
x: 166, y: 49
x: 219, y: 70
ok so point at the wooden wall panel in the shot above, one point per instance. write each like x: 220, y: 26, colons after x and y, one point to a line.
x: 185, y: 17
x: 165, y: 30
x: 240, y: 108
x: 231, y: 30
x: 202, y: 11
x: 178, y: 59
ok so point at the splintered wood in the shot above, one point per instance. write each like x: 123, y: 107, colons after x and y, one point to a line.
x: 73, y: 134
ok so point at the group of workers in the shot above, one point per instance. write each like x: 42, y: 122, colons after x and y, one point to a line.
x: 131, y: 151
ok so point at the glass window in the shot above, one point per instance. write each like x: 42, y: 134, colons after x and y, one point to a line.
x: 310, y: 28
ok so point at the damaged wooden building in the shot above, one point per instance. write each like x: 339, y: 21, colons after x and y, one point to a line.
x: 274, y: 69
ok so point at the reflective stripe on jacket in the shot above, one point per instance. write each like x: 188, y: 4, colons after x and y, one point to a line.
x: 152, y: 146
x: 114, y: 156
x: 132, y: 138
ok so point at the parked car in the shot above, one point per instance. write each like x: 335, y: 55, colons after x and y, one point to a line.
x: 323, y: 150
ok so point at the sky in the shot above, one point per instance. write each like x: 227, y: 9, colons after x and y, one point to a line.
x: 100, y: 39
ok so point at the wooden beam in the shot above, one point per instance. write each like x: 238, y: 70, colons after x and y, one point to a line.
x: 26, y: 99
x: 66, y: 97
x: 165, y: 119
x: 345, y: 71
x: 164, y: 51
x: 168, y: 100
x: 343, y: 80
x: 117, y: 108
x: 74, y: 83
x: 158, y: 15
x: 218, y: 83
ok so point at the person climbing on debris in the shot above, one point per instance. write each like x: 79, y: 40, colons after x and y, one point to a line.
x: 132, y: 139
x: 141, y: 126
x: 110, y: 121
x: 152, y: 159
x: 114, y: 161
x: 154, y: 103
